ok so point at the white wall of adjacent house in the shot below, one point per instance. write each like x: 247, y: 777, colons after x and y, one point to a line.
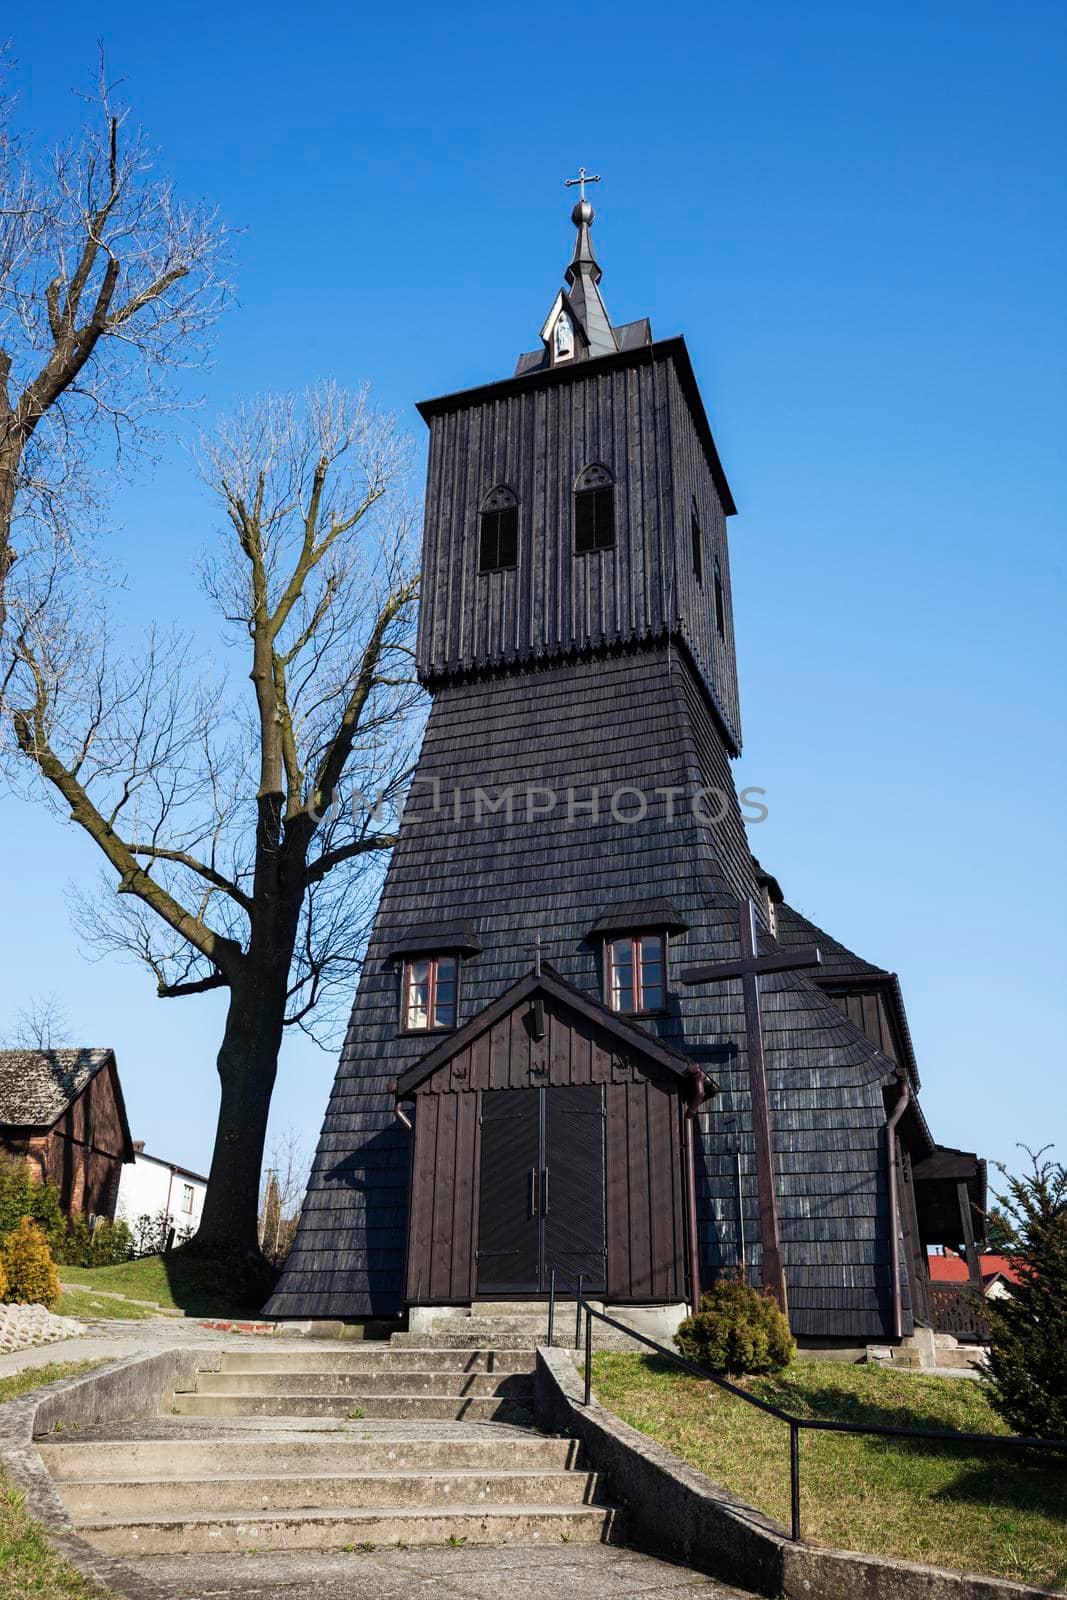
x: 150, y: 1186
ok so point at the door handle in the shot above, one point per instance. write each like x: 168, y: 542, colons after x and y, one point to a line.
x: 544, y: 1192
x: 531, y: 1205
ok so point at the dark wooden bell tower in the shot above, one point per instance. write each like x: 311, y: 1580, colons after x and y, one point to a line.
x: 622, y: 415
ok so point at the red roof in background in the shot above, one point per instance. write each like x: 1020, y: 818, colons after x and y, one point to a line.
x: 951, y: 1268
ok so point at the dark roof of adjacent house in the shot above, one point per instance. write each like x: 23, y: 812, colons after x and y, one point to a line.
x: 173, y: 1166
x: 37, y: 1086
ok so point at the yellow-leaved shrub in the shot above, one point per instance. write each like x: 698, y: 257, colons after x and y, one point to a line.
x: 32, y: 1279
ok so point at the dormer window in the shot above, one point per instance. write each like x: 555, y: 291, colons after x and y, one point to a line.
x: 637, y: 972
x: 563, y: 338
x: 594, y: 510
x: 430, y: 987
x: 498, y: 545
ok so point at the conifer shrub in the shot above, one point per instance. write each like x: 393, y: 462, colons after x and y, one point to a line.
x: 737, y: 1330
x: 32, y: 1279
x: 108, y: 1244
x: 21, y: 1196
x: 1026, y: 1367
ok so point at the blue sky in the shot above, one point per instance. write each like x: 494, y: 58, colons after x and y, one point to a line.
x: 855, y: 215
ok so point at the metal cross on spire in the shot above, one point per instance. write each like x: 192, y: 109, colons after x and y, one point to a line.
x: 581, y: 180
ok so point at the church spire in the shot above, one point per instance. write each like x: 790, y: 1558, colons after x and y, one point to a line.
x: 578, y: 324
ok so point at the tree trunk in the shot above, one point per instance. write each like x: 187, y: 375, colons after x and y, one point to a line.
x: 248, y: 1066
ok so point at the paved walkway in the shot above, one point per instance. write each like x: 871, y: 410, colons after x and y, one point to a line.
x: 115, y: 1339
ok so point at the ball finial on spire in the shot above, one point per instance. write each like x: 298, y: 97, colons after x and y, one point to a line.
x: 582, y: 214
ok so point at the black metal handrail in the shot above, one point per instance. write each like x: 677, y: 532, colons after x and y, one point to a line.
x: 881, y: 1430
x: 577, y: 1282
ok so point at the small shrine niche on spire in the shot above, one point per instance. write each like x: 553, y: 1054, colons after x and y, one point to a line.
x: 578, y: 327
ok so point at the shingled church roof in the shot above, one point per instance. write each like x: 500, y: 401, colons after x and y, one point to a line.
x: 37, y: 1086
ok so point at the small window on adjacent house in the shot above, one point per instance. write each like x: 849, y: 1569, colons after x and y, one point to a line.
x: 698, y: 554
x: 637, y: 972
x: 498, y: 545
x: 187, y: 1198
x: 430, y: 984
x: 594, y: 511
x: 720, y: 604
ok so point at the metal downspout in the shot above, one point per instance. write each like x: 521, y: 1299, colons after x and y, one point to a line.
x: 696, y: 1100
x: 894, y: 1224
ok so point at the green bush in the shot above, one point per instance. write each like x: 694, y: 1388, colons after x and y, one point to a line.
x: 32, y: 1279
x: 108, y: 1244
x: 737, y: 1330
x: 1027, y: 1362
x: 21, y: 1196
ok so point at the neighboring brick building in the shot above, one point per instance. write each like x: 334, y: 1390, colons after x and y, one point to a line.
x: 63, y: 1111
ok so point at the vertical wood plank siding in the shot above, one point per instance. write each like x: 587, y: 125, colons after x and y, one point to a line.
x: 646, y: 1221
x: 637, y: 421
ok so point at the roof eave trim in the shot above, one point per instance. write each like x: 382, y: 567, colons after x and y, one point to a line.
x: 593, y: 366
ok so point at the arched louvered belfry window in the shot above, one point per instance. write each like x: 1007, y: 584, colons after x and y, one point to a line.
x: 498, y: 545
x: 594, y: 510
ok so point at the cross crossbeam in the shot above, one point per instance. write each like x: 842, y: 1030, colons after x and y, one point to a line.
x: 749, y: 968
x: 581, y: 180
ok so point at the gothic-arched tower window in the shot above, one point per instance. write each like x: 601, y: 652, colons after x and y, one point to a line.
x: 594, y: 510
x: 498, y: 545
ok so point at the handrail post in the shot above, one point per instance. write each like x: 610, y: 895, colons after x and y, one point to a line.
x: 551, y: 1305
x: 794, y: 1480
x: 578, y: 1312
x: 588, y: 1356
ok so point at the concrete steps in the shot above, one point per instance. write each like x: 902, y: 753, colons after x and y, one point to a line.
x: 408, y: 1407
x: 437, y: 1465
x: 383, y: 1380
x: 441, y: 1385
x: 149, y: 1497
x: 315, y: 1529
x: 464, y: 1450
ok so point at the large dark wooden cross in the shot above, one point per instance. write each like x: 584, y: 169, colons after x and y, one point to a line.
x: 749, y: 968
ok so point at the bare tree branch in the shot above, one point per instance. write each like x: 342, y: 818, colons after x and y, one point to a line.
x: 107, y: 283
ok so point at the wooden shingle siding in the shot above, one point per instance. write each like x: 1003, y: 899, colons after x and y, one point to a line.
x: 640, y: 716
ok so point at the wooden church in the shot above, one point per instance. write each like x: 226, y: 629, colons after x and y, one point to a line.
x: 590, y: 1034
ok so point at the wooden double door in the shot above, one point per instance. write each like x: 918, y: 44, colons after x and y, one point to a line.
x: 541, y: 1194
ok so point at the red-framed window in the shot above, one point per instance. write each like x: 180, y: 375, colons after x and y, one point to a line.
x: 430, y: 990
x: 637, y: 972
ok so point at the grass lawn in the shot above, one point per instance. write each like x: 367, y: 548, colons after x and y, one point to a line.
x: 1002, y: 1512
x: 28, y: 1565
x: 169, y: 1281
x: 87, y: 1307
x: 144, y: 1279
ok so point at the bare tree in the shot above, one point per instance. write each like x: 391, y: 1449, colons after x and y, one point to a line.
x: 42, y: 1024
x: 238, y: 868
x: 107, y: 284
x: 288, y: 1167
